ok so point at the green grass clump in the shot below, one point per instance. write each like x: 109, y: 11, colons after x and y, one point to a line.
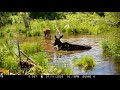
x: 66, y: 71
x: 31, y: 48
x: 86, y: 62
x: 61, y: 69
x: 33, y: 33
x: 38, y: 70
x: 40, y: 59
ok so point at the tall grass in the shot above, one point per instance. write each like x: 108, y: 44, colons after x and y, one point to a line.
x: 31, y: 48
x: 51, y: 70
x: 86, y: 62
x: 40, y: 59
x: 111, y: 46
x: 7, y: 59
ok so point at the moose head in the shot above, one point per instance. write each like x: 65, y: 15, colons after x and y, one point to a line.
x: 57, y: 42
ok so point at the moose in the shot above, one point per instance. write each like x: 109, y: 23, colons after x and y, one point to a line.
x: 47, y: 33
x: 67, y: 46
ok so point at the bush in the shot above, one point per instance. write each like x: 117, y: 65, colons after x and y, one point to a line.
x: 86, y: 62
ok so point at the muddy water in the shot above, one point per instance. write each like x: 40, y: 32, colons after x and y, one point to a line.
x: 104, y: 65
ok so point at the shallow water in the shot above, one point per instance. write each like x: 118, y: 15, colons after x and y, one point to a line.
x: 104, y: 65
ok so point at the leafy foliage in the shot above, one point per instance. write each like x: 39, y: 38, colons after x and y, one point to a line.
x: 47, y: 15
x: 31, y: 48
x: 86, y: 62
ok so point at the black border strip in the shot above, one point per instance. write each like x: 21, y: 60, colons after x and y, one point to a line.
x: 60, y: 77
x: 61, y: 5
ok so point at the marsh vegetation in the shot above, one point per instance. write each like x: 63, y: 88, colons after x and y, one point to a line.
x: 101, y: 30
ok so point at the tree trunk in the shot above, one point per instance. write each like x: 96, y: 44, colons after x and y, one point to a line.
x: 26, y: 22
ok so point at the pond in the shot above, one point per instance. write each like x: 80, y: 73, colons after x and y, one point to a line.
x: 104, y: 65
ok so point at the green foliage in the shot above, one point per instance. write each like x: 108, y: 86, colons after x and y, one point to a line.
x: 51, y: 70
x: 86, y: 62
x: 33, y: 33
x: 31, y: 48
x: 40, y: 59
x: 5, y: 18
x: 11, y: 63
x: 111, y: 46
x: 74, y: 23
x: 37, y: 70
x: 107, y: 46
x: 65, y: 71
x: 7, y: 59
x: 61, y: 69
x: 47, y: 15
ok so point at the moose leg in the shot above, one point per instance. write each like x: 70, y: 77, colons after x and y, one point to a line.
x: 45, y: 36
x: 49, y: 36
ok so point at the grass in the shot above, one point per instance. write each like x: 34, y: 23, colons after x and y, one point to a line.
x: 86, y: 62
x: 61, y: 69
x: 7, y: 60
x: 45, y: 68
x: 78, y: 23
x: 111, y: 46
x: 66, y: 71
x: 51, y: 70
x: 40, y: 59
x: 32, y: 33
x: 31, y: 48
x: 38, y: 70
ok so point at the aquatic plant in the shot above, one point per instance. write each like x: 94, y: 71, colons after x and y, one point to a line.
x: 86, y: 62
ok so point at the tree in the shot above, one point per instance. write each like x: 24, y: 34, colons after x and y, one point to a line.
x: 26, y: 20
x: 5, y: 18
x: 47, y: 15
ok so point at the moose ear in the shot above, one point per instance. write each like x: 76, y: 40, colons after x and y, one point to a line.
x: 55, y: 37
x: 61, y: 37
